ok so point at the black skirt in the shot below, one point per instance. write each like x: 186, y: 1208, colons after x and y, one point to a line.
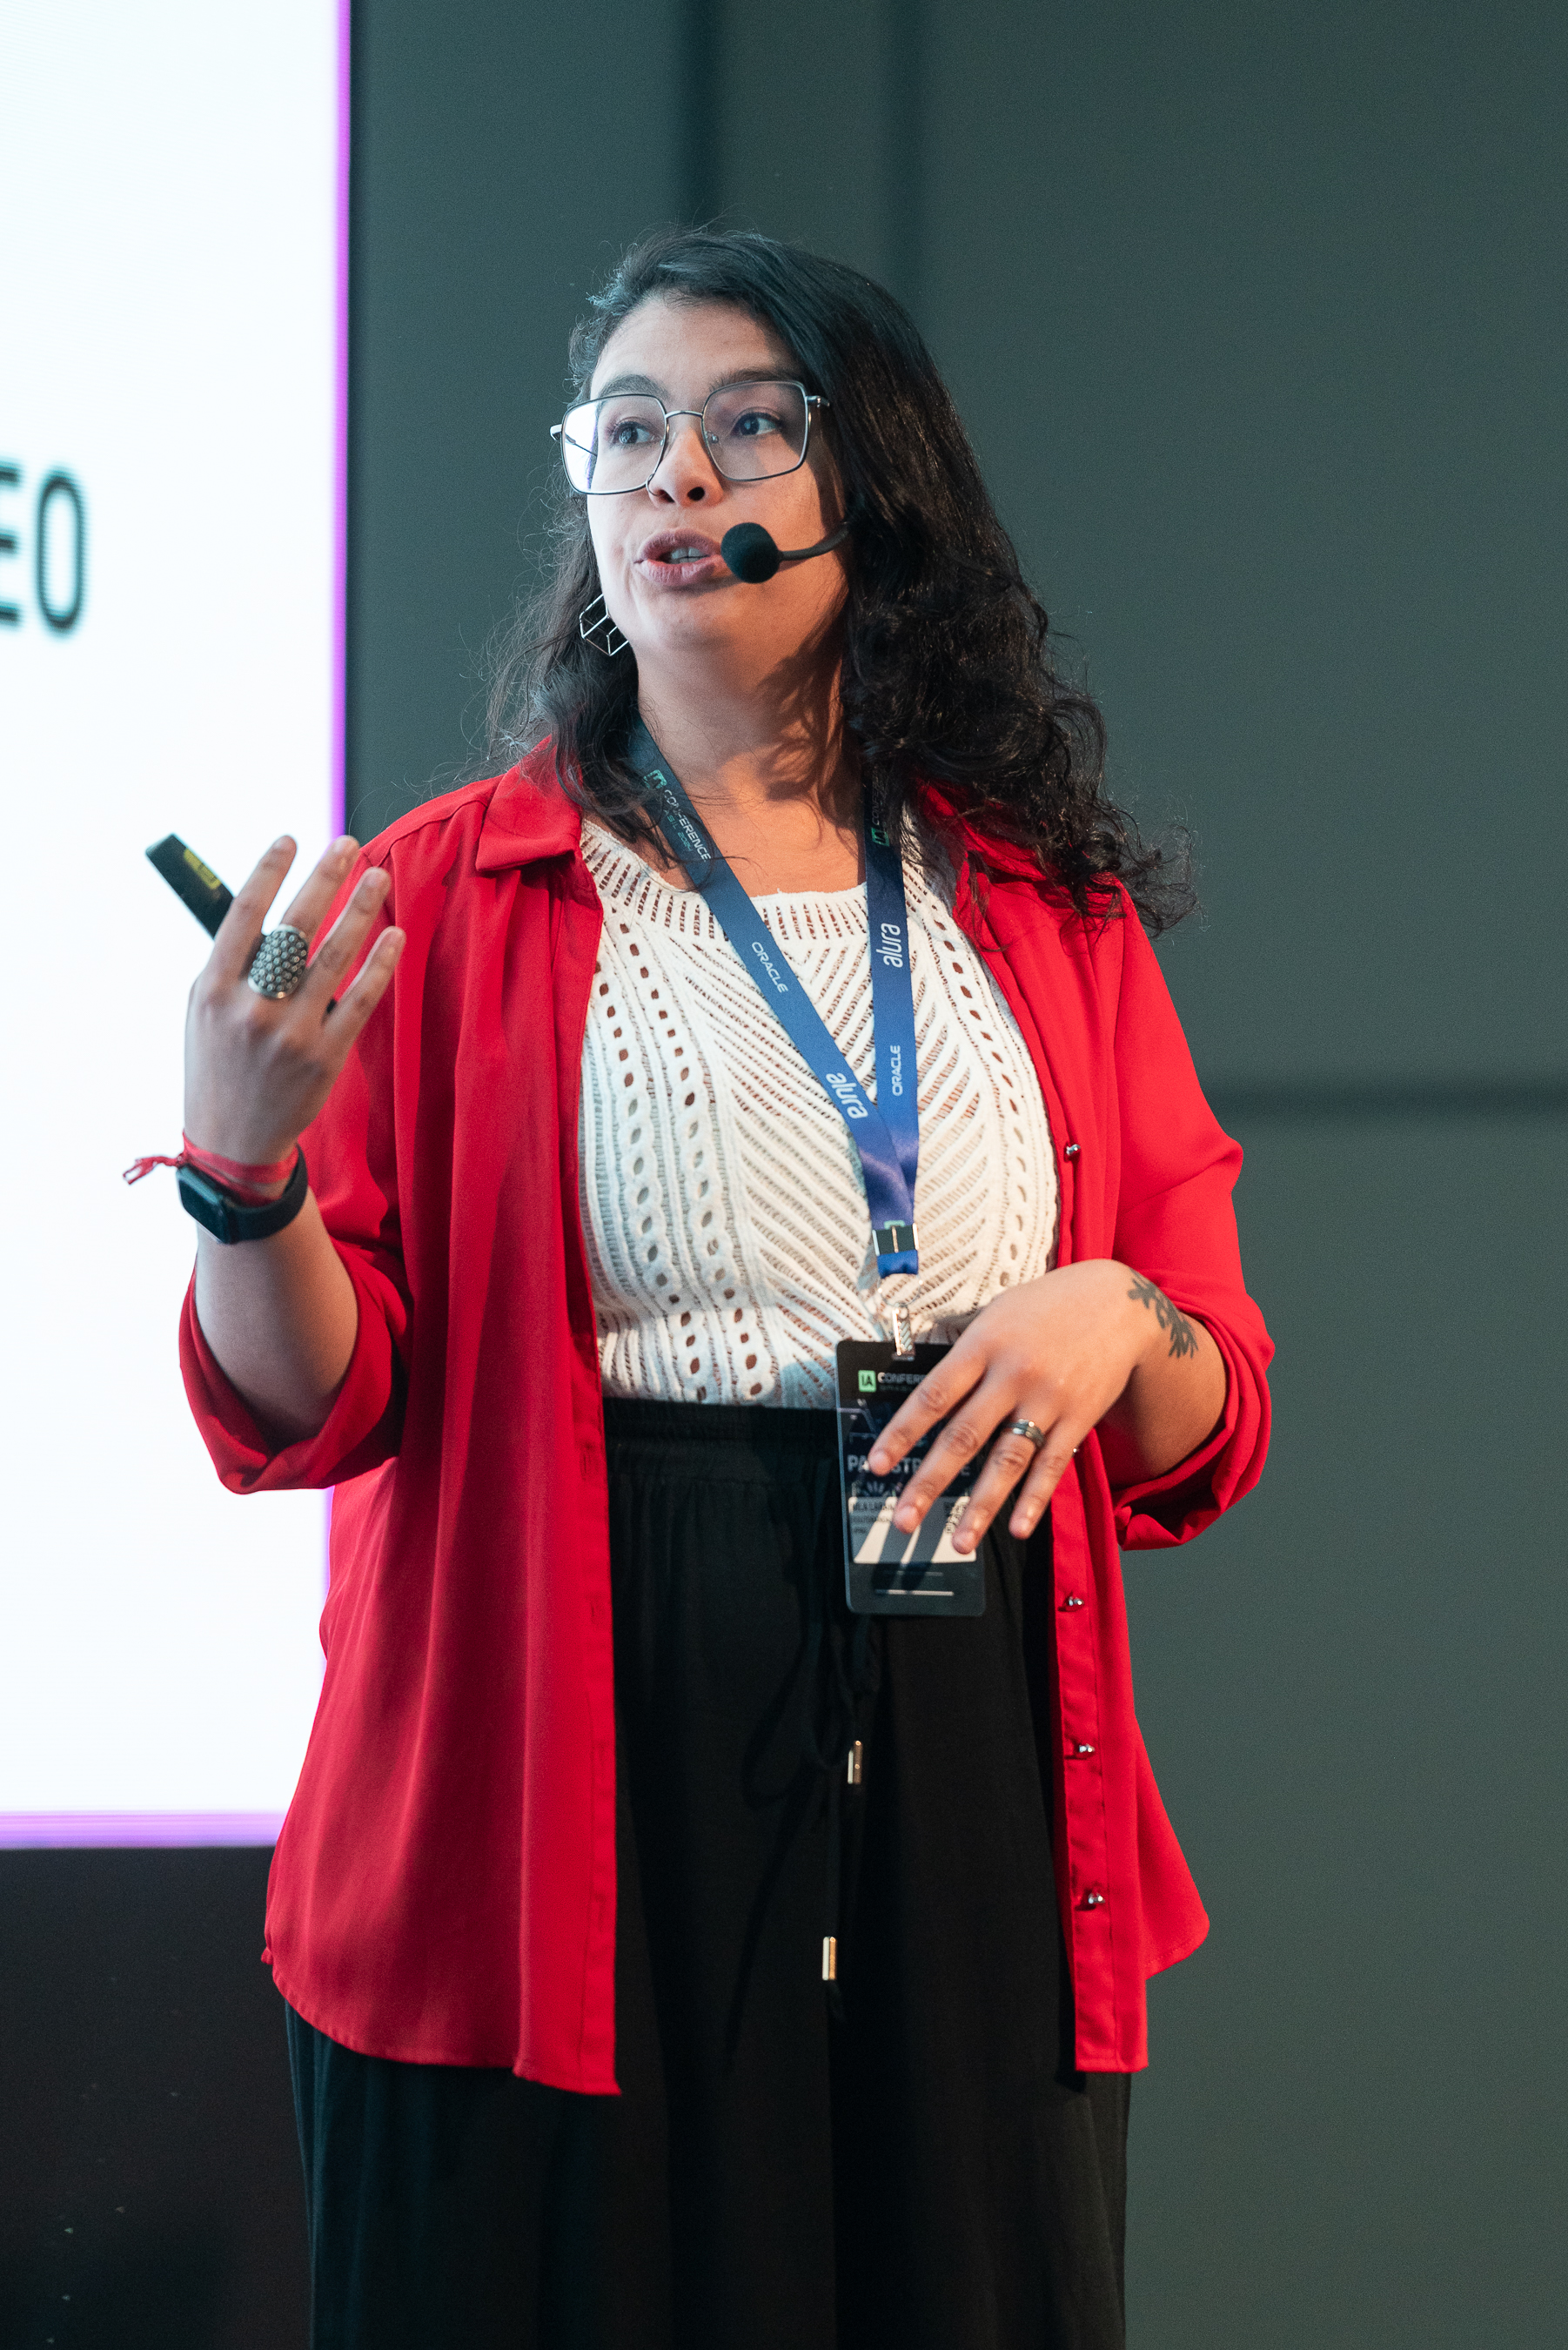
x: 901, y: 2157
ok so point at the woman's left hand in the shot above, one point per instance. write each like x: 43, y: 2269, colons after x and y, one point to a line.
x: 1091, y: 1343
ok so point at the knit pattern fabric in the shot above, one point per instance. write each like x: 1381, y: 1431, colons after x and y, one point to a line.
x: 723, y: 1206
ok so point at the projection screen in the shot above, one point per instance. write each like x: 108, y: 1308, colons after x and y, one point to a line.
x: 172, y: 178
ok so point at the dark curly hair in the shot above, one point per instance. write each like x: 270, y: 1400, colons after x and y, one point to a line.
x: 947, y: 669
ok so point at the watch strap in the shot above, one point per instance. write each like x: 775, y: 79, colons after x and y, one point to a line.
x: 224, y: 1216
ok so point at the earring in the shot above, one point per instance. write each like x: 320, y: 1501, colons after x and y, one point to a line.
x: 612, y: 641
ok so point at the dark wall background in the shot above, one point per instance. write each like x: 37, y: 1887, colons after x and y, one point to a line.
x: 150, y: 2194
x: 1256, y: 316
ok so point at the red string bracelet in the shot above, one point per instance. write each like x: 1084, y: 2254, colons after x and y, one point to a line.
x: 246, y: 1178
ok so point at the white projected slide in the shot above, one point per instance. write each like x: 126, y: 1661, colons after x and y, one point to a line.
x: 171, y: 182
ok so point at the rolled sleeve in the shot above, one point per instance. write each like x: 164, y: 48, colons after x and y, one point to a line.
x: 1176, y: 1224
x: 361, y: 1429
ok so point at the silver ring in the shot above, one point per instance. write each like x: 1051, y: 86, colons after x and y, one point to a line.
x: 1026, y: 1428
x: 279, y: 962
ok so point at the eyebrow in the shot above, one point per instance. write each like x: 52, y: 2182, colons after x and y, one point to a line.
x: 623, y: 383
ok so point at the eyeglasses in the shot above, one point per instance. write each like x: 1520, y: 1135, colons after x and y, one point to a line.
x: 752, y: 431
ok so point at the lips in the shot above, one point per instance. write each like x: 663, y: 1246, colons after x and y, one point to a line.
x: 673, y: 556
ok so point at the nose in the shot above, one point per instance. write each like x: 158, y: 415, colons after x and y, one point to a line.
x: 686, y: 473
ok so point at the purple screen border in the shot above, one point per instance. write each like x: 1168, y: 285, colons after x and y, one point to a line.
x: 61, y: 1831
x: 340, y: 442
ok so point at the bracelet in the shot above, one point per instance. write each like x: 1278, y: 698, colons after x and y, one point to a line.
x: 251, y: 1180
x: 208, y: 1184
x: 224, y: 1216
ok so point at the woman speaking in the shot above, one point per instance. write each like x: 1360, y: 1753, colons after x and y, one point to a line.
x: 728, y: 1207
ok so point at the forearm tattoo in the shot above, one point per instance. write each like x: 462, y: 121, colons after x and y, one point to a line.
x: 1183, y: 1337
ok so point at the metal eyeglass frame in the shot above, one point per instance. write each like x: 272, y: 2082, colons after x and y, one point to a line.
x: 813, y: 400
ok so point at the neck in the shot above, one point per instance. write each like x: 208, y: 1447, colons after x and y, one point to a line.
x: 754, y: 746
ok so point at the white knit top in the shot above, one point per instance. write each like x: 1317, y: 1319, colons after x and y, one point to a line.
x: 723, y: 1207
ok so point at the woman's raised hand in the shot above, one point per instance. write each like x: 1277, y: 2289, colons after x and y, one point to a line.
x: 1091, y: 1345
x: 257, y: 1070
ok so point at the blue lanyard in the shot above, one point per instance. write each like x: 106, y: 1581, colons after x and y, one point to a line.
x: 885, y: 1132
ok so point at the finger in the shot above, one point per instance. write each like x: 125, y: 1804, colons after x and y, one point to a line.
x: 234, y: 944
x: 1011, y: 1458
x: 352, y: 1012
x: 344, y: 943
x: 308, y: 909
x: 939, y: 1393
x: 966, y: 1433
x: 1052, y: 1463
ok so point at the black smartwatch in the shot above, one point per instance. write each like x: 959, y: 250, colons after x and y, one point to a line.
x: 224, y: 1216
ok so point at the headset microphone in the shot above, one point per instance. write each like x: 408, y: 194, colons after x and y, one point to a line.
x: 753, y: 555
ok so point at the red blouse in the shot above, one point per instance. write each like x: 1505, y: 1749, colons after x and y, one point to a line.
x: 443, y: 1888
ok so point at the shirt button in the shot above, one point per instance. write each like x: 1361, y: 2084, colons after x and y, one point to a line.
x: 1093, y: 1901
x: 1072, y: 1600
x: 1079, y: 1747
x: 1070, y: 1151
